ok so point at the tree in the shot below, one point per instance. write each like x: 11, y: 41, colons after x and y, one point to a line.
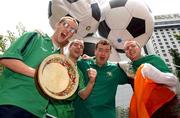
x: 176, y: 57
x: 11, y: 37
x: 6, y: 41
x: 2, y: 43
x: 177, y: 36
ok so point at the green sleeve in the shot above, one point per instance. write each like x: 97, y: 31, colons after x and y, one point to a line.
x: 15, y: 51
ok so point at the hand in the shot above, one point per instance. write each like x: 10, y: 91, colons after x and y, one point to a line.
x: 86, y: 57
x: 128, y: 69
x: 92, y: 73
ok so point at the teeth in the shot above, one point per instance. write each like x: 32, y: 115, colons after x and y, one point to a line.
x: 64, y: 34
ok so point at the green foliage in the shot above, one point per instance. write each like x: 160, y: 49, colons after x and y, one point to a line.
x: 5, y: 41
x: 176, y: 60
x: 122, y: 112
x: 21, y: 29
x: 177, y: 36
x: 2, y: 43
x: 176, y: 57
x: 11, y: 37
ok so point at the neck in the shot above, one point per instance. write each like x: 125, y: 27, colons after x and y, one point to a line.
x: 98, y: 64
x: 63, y: 44
x: 137, y: 58
x: 74, y: 60
x: 54, y: 42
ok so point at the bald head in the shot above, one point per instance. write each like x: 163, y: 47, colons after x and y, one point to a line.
x: 126, y: 43
x: 132, y: 49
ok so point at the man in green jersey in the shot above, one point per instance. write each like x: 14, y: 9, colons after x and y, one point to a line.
x: 19, y: 97
x: 101, y: 101
x: 76, y: 48
x: 156, y: 70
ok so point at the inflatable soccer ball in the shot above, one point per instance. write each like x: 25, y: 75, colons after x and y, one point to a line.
x: 126, y: 20
x: 87, y: 13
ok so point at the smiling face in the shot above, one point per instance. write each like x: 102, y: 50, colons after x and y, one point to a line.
x: 132, y: 50
x: 102, y: 52
x: 76, y: 48
x: 64, y: 31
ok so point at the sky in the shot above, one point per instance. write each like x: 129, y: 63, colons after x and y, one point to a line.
x: 33, y: 14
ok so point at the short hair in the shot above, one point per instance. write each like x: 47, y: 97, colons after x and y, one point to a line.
x: 103, y: 42
x: 73, y: 41
x: 70, y: 18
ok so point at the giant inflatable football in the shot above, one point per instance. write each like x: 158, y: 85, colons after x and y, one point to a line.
x: 87, y: 13
x: 114, y: 20
x: 126, y: 20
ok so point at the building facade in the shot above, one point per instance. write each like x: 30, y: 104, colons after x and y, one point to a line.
x: 162, y: 40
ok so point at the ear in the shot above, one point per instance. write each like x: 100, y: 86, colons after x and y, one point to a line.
x: 95, y: 52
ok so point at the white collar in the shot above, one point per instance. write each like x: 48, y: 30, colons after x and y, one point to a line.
x: 55, y: 47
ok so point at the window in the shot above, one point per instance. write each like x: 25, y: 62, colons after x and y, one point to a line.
x: 173, y: 42
x: 164, y: 54
x: 157, y: 52
x: 174, y: 46
x: 168, y: 46
x: 167, y: 60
